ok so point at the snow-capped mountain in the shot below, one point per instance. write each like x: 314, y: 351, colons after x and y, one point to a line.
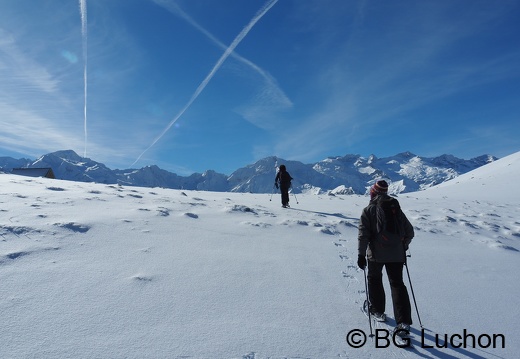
x: 8, y: 163
x: 352, y: 174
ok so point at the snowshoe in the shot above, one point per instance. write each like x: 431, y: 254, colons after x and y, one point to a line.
x: 402, y: 330
x: 379, y: 317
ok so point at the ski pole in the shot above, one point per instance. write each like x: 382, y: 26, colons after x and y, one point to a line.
x: 368, y: 303
x: 413, y: 294
x: 292, y: 191
x: 271, y: 195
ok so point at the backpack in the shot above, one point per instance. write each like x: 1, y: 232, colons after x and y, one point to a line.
x: 285, y: 179
x: 389, y: 224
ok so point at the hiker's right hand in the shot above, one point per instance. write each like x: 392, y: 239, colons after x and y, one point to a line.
x: 361, y: 262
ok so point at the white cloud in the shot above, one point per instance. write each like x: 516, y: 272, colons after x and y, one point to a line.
x: 379, y: 77
x: 19, y: 69
x: 23, y: 129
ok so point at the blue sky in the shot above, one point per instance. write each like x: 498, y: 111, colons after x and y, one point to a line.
x: 191, y: 85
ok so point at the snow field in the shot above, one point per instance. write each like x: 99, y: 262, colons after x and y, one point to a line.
x: 104, y: 271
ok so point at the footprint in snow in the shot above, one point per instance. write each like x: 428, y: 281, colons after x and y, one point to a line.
x: 196, y: 204
x: 134, y: 195
x: 141, y: 278
x: 116, y: 188
x: 164, y: 212
x: 348, y: 276
x: 15, y: 255
x: 500, y: 245
x: 353, y: 268
x: 259, y: 224
x: 19, y: 254
x: 191, y: 215
x: 241, y: 208
x: 75, y: 227
x: 56, y: 189
x: 18, y: 230
x: 348, y: 224
x: 328, y: 231
x: 12, y: 256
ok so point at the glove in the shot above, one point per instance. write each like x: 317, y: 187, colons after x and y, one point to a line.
x: 276, y: 185
x: 361, y: 262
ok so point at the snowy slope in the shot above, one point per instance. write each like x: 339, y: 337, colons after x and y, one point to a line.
x: 107, y: 271
x: 496, y: 180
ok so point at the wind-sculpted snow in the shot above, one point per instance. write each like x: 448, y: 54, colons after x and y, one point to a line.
x: 97, y: 270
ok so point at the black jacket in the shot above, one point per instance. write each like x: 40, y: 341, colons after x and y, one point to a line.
x: 368, y: 232
x: 283, y: 178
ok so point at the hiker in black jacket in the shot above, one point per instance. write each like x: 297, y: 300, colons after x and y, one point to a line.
x: 283, y: 181
x: 384, y: 236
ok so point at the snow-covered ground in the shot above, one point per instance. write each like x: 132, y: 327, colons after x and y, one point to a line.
x: 104, y: 271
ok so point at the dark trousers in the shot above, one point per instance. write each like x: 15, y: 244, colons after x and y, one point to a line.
x: 376, y: 292
x: 285, y: 195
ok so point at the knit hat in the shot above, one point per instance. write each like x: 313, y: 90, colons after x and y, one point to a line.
x: 378, y: 188
x: 381, y: 186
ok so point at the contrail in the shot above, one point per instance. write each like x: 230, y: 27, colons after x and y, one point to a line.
x: 219, y: 63
x: 174, y: 8
x: 83, y: 10
x: 273, y: 91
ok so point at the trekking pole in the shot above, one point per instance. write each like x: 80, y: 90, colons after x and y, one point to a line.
x: 413, y: 294
x: 271, y: 195
x: 368, y: 303
x: 296, y: 199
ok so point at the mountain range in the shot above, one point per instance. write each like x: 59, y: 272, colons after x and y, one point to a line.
x: 350, y: 174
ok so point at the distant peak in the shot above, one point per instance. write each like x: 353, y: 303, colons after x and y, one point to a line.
x: 407, y: 154
x: 486, y: 158
x: 67, y: 154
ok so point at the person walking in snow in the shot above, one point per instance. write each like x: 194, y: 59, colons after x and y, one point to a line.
x: 384, y: 236
x: 283, y: 182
